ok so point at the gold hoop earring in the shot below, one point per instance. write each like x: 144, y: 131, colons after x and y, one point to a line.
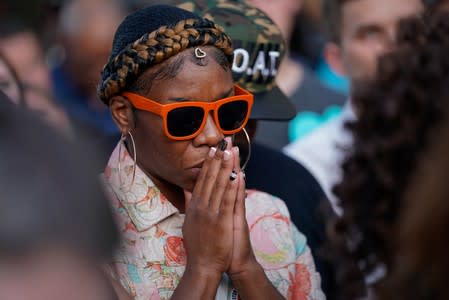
x: 121, y: 143
x: 248, y: 140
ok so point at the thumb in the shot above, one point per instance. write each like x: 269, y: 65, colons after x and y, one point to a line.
x: 187, y: 198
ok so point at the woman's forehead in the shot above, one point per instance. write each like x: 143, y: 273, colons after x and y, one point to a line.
x: 225, y: 94
x: 191, y: 80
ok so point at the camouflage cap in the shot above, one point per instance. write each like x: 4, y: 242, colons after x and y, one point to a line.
x: 258, y: 51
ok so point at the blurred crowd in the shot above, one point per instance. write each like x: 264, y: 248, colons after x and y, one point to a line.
x: 64, y: 45
x: 360, y: 159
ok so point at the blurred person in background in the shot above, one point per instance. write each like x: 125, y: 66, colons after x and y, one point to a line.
x: 21, y: 47
x: 86, y: 29
x: 309, y: 43
x: 295, y: 79
x: 361, y: 30
x: 398, y: 115
x: 56, y: 226
x: 306, y: 39
x: 181, y: 210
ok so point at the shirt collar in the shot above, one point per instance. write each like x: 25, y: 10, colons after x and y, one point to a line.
x: 143, y: 201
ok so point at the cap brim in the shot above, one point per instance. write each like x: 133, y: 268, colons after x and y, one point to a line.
x: 273, y: 105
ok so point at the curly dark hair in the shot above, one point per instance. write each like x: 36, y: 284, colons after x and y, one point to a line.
x: 421, y: 266
x: 397, y: 112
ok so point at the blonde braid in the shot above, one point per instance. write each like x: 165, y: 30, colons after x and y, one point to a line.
x: 156, y: 47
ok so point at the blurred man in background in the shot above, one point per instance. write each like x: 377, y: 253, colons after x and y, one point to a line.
x: 86, y: 29
x: 294, y: 78
x: 361, y: 30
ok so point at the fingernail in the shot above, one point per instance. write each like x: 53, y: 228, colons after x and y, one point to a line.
x: 233, y: 176
x: 236, y: 150
x: 227, y: 155
x: 212, y: 151
x: 223, y: 145
x: 229, y: 140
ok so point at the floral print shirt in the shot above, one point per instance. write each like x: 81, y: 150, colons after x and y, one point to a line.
x: 151, y: 259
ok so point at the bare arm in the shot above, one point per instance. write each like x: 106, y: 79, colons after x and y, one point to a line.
x: 197, y: 285
x: 120, y: 292
x: 254, y: 284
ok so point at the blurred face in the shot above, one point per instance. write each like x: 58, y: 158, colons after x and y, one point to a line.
x: 51, y: 274
x: 170, y: 162
x: 24, y: 53
x: 88, y: 44
x: 86, y: 55
x: 368, y: 30
x: 26, y: 57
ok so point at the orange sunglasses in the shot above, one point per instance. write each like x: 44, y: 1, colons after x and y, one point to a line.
x: 185, y: 120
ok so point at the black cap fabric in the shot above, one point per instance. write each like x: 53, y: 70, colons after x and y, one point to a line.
x: 272, y: 105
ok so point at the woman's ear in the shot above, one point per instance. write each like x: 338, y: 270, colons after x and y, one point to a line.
x: 122, y: 113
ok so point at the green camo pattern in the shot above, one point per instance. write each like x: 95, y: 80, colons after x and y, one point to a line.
x: 249, y: 29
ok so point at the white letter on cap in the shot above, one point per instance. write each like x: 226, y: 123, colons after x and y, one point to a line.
x: 244, y: 60
x: 274, y: 55
x: 260, y: 63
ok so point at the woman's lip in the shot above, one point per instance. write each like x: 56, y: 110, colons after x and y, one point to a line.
x: 198, y: 165
x: 195, y: 170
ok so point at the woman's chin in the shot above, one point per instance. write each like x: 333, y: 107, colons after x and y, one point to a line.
x: 189, y: 185
x: 194, y: 172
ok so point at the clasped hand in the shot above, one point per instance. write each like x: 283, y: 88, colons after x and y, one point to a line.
x: 216, y: 234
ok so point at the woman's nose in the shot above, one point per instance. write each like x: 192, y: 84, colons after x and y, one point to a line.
x: 210, y: 135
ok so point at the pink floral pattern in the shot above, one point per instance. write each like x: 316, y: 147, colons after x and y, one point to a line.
x: 151, y: 259
x: 174, y: 251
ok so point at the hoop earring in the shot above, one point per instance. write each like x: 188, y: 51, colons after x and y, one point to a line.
x: 248, y: 140
x: 122, y: 142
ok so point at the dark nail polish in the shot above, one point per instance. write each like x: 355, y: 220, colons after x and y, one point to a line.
x: 223, y: 145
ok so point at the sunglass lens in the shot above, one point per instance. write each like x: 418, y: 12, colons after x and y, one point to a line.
x: 184, y: 121
x: 232, y: 114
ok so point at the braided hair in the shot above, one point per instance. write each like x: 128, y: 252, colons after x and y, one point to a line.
x: 152, y: 35
x: 398, y: 112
